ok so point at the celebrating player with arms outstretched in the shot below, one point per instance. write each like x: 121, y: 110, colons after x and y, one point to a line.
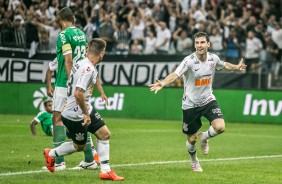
x: 197, y: 71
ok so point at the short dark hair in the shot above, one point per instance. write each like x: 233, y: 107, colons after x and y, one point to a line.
x: 47, y: 101
x: 201, y: 34
x: 96, y: 46
x: 66, y: 14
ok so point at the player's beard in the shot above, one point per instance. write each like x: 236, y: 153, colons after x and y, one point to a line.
x: 100, y: 59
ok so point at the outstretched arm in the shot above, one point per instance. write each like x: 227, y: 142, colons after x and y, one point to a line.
x: 32, y: 127
x: 48, y: 82
x: 160, y: 84
x: 101, y: 91
x: 239, y: 67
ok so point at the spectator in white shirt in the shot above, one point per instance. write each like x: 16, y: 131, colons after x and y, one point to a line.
x: 252, y: 52
x: 163, y: 37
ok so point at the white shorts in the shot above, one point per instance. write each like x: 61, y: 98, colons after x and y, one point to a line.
x: 59, y: 99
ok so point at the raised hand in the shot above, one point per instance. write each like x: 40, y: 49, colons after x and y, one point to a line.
x: 156, y: 86
x: 86, y: 120
x: 241, y: 66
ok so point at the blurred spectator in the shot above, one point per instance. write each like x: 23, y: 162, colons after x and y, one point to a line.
x: 106, y: 31
x: 251, y: 24
x: 272, y: 57
x: 52, y: 32
x: 19, y: 32
x: 252, y: 52
x: 183, y: 42
x: 232, y: 47
x: 276, y: 35
x: 163, y: 37
x: 31, y: 30
x: 122, y: 37
x: 43, y: 44
x: 136, y: 21
x: 158, y: 12
x: 136, y: 47
x: 6, y: 31
x: 216, y: 40
x: 150, y: 43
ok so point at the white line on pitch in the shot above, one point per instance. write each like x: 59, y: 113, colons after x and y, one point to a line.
x: 154, y: 163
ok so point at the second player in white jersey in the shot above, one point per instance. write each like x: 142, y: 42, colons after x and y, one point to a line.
x: 83, y: 75
x: 197, y: 71
x: 197, y: 79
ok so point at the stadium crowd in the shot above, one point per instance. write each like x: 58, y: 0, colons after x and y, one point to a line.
x: 237, y: 28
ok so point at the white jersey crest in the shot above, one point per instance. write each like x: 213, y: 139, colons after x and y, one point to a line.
x: 83, y: 75
x: 197, y: 79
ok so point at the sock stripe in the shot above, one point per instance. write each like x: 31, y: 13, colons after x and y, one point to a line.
x: 56, y: 153
x: 192, y: 153
x: 105, y: 162
x: 209, y: 133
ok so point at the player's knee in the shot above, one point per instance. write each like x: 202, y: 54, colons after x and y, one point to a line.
x: 80, y: 147
x: 105, y: 136
x: 220, y: 128
x: 192, y: 139
x: 57, y: 121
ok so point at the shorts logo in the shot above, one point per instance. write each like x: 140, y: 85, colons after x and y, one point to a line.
x: 216, y: 111
x: 185, y: 126
x: 79, y: 136
x: 97, y: 115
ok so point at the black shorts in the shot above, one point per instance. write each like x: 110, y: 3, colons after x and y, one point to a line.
x: 192, y: 117
x: 78, y: 133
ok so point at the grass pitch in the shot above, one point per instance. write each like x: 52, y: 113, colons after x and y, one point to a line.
x: 148, y: 151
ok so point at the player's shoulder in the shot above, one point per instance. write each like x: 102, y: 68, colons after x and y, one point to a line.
x: 191, y: 59
x: 86, y: 65
x: 41, y: 113
x: 212, y: 56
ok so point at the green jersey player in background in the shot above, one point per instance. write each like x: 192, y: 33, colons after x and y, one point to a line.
x: 44, y: 118
x: 71, y: 48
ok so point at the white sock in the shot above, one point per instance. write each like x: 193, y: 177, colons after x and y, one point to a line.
x: 64, y: 149
x: 192, y: 151
x: 209, y: 133
x: 103, y: 149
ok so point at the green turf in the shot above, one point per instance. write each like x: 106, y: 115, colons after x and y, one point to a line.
x: 143, y: 142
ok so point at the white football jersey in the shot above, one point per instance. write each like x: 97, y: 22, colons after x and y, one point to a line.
x: 53, y: 65
x: 83, y: 75
x: 197, y: 79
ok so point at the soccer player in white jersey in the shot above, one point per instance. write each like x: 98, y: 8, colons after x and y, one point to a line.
x: 198, y: 100
x: 79, y: 117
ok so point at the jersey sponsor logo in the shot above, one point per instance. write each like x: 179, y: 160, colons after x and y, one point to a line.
x: 202, y: 82
x: 79, y: 38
